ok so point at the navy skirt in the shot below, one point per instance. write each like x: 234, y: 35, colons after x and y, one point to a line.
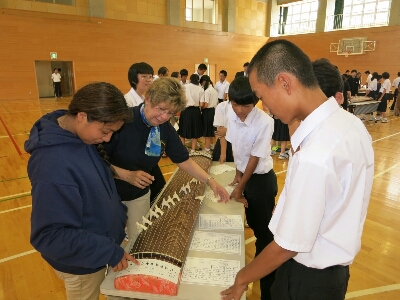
x: 207, y: 115
x: 190, y: 123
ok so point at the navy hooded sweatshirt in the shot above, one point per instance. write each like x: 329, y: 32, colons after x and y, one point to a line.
x: 78, y: 220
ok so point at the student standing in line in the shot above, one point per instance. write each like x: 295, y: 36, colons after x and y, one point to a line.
x: 184, y: 74
x: 208, y: 102
x: 382, y: 97
x: 318, y: 221
x: 223, y: 149
x: 222, y: 86
x: 162, y: 72
x: 250, y: 131
x: 190, y: 123
x: 78, y: 220
x: 201, y: 69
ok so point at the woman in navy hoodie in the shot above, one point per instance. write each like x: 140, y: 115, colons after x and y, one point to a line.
x: 78, y: 220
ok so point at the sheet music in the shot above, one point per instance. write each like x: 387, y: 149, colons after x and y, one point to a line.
x: 216, y: 242
x: 219, y: 169
x: 212, y: 222
x: 210, y: 271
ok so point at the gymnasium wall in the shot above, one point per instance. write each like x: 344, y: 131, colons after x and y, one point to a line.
x: 103, y: 49
x: 383, y: 59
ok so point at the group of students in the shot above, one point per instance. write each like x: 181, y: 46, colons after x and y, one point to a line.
x: 377, y: 87
x: 86, y: 159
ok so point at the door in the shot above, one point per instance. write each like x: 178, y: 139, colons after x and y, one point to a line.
x: 43, y: 79
x: 44, y: 69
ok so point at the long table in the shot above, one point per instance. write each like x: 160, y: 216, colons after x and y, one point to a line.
x: 363, y: 105
x: 194, y: 291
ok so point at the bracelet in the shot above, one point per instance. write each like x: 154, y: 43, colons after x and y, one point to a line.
x: 208, y: 180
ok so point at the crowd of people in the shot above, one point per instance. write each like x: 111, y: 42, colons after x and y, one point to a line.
x: 110, y: 145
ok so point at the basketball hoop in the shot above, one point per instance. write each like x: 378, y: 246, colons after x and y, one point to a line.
x: 347, y: 53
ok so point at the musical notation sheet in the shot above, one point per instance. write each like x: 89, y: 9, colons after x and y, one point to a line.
x: 214, y: 221
x: 216, y: 242
x: 210, y: 271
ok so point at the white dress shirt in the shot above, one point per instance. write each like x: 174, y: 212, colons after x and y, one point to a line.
x: 56, y: 77
x: 369, y: 77
x: 385, y: 87
x: 210, y: 96
x: 193, y: 94
x: 373, y: 85
x: 222, y: 88
x: 396, y: 82
x: 221, y: 114
x: 133, y: 99
x: 323, y: 204
x: 251, y: 138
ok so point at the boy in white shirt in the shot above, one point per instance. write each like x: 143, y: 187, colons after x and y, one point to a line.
x: 385, y: 88
x: 318, y: 221
x: 250, y: 132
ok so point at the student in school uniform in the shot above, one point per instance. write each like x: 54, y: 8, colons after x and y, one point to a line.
x: 190, y: 123
x: 201, y: 69
x: 382, y: 97
x: 395, y: 84
x: 318, y: 221
x: 223, y: 149
x: 250, y: 131
x: 140, y: 77
x: 208, y: 102
x: 184, y: 74
x: 222, y: 86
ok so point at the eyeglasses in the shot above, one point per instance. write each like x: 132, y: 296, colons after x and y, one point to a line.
x: 164, y: 111
x: 146, y: 77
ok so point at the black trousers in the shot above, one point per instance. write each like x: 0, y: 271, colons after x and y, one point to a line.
x: 57, y: 89
x: 260, y: 192
x: 396, y: 92
x: 294, y: 281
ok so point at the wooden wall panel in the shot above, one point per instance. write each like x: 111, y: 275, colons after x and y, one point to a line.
x: 383, y: 59
x: 104, y: 51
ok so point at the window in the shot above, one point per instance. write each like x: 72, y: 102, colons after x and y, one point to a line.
x: 299, y: 17
x: 201, y: 11
x: 360, y: 14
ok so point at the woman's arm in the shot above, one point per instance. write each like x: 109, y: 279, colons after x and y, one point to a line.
x: 193, y: 169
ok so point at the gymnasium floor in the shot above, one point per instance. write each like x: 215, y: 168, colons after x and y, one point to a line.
x: 375, y: 273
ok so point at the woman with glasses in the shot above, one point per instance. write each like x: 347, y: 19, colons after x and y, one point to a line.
x: 140, y: 76
x: 137, y: 148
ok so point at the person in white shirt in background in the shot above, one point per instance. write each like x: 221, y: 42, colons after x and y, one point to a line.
x: 222, y: 86
x: 162, y: 72
x: 223, y: 149
x: 382, y: 97
x: 369, y: 78
x: 208, y: 102
x: 190, y: 124
x: 318, y: 221
x: 184, y: 74
x: 395, y: 84
x: 140, y: 76
x: 56, y: 77
x: 201, y: 69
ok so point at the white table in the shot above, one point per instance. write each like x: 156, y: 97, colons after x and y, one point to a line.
x: 194, y: 291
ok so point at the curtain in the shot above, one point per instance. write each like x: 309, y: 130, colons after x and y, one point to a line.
x: 283, y: 12
x: 338, y: 14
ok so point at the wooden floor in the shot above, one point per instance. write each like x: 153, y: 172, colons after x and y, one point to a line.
x: 375, y: 273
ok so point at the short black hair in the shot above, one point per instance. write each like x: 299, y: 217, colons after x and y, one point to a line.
x: 246, y: 64
x: 240, y: 91
x: 207, y: 79
x: 135, y: 70
x: 282, y: 56
x: 223, y: 72
x: 374, y: 75
x: 184, y: 72
x: 202, y: 67
x: 353, y: 71
x: 175, y: 74
x: 329, y: 78
x: 194, y: 78
x: 385, y: 75
x: 367, y: 72
x: 162, y: 70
